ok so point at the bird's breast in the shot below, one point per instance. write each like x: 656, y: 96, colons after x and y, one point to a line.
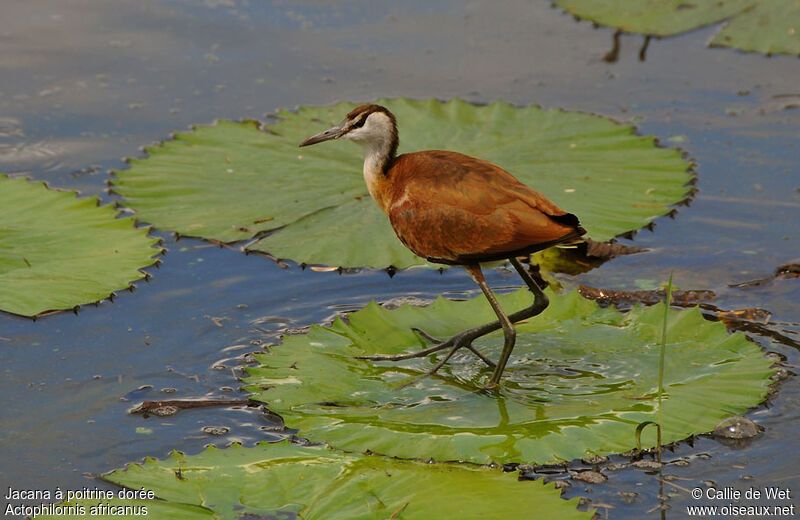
x: 377, y: 184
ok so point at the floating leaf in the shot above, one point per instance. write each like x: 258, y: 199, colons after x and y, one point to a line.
x: 58, y: 251
x: 763, y: 26
x: 316, y: 482
x: 579, y: 381
x: 231, y: 181
x: 655, y: 17
x: 771, y: 27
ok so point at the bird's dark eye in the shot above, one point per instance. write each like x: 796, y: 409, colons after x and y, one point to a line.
x: 359, y: 123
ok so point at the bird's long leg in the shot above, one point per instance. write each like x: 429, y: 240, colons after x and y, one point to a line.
x: 464, y: 338
x: 535, y: 285
x: 509, y: 333
x: 508, y: 328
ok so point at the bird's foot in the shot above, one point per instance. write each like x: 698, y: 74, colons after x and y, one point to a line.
x: 426, y: 336
x: 490, y: 388
x: 461, y: 340
x: 409, y: 355
x: 466, y: 343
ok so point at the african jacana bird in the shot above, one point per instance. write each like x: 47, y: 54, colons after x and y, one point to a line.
x: 455, y: 209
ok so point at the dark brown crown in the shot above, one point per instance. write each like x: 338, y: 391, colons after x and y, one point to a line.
x: 359, y: 115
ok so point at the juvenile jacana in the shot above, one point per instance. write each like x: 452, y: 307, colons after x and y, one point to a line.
x: 454, y: 209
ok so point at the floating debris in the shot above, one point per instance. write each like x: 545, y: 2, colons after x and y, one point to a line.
x: 736, y: 428
x: 647, y: 465
x: 782, y: 272
x: 164, y: 411
x: 607, y: 250
x: 216, y: 430
x: 596, y: 459
x: 592, y: 477
x: 166, y: 408
x: 623, y: 298
x: 750, y: 314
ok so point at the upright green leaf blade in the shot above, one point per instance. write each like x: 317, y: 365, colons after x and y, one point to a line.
x: 58, y: 251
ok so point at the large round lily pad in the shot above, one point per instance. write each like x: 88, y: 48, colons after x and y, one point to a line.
x: 579, y: 381
x: 316, y: 482
x: 769, y: 27
x: 232, y: 181
x: 58, y: 251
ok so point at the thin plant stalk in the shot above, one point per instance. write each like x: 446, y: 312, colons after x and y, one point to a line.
x: 667, y: 302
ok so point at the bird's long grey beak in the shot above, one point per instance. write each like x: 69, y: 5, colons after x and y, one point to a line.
x: 331, y: 133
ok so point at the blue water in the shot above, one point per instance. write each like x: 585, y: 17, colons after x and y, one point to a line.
x: 85, y: 84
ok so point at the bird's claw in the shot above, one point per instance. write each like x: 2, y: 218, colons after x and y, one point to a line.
x: 460, y: 340
x: 426, y: 336
x: 410, y: 355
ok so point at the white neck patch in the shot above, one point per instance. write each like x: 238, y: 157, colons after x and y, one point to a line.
x: 375, y: 137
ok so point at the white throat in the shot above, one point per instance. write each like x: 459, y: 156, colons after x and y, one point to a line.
x: 374, y: 157
x: 375, y: 137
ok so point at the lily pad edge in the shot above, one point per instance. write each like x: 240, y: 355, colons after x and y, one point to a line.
x: 156, y: 245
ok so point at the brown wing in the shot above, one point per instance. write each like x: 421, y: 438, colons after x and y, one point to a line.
x: 452, y: 208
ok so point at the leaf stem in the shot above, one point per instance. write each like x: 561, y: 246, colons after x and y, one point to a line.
x: 667, y: 302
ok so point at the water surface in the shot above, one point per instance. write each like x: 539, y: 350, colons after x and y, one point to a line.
x: 88, y: 82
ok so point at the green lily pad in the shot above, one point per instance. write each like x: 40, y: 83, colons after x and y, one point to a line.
x: 768, y: 27
x: 655, y: 17
x: 58, y: 251
x: 771, y: 27
x: 232, y: 181
x: 316, y: 482
x: 579, y: 381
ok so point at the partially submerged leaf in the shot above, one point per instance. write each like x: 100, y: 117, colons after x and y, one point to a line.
x: 58, y: 251
x: 769, y: 27
x: 232, y: 181
x: 318, y: 483
x: 579, y: 381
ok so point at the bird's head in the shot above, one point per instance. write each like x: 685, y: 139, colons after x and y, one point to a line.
x: 367, y: 125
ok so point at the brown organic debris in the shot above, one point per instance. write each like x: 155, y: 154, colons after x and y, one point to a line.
x: 608, y: 250
x: 156, y: 407
x: 782, y: 272
x: 752, y: 314
x: 582, y: 256
x: 651, y: 297
x: 591, y: 477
